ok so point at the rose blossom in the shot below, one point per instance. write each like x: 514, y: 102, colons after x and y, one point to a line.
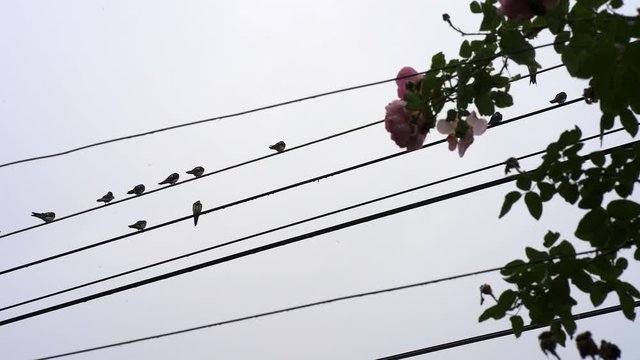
x: 398, y: 122
x: 406, y: 74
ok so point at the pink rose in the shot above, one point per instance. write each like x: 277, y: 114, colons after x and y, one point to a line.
x: 524, y: 9
x: 407, y: 75
x: 477, y: 127
x: 398, y: 123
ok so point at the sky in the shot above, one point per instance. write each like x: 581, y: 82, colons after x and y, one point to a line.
x: 77, y: 72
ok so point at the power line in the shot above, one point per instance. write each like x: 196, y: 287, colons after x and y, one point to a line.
x: 271, y: 192
x: 262, y: 248
x: 289, y: 102
x: 247, y: 162
x: 274, y: 245
x: 291, y: 186
x: 314, y: 304
x: 187, y: 255
x: 497, y: 334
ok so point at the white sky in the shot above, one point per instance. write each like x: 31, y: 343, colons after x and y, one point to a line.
x: 75, y: 72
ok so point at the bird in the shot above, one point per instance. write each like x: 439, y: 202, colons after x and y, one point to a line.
x: 137, y: 190
x: 45, y: 216
x: 548, y: 343
x: 495, y: 118
x: 560, y: 98
x: 106, y: 198
x: 171, y: 179
x: 609, y: 351
x: 139, y: 225
x: 197, y: 209
x: 586, y: 345
x: 533, y: 71
x: 279, y: 146
x: 196, y: 171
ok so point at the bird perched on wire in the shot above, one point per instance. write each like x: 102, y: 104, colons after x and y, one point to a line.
x: 171, y: 179
x: 197, y: 209
x: 279, y: 146
x: 560, y: 98
x: 137, y: 190
x: 495, y: 118
x: 196, y: 171
x: 139, y: 225
x: 45, y: 216
x: 106, y: 198
x: 533, y: 71
x: 548, y: 343
x: 586, y: 345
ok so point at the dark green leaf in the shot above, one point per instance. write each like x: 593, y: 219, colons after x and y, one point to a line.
x: 569, y: 325
x: 495, y: 312
x: 475, y: 7
x: 563, y: 249
x: 438, y: 61
x: 502, y: 99
x: 484, y: 104
x: 630, y: 289
x: 509, y: 200
x: 627, y: 304
x: 534, y: 204
x: 523, y: 182
x: 506, y: 299
x: 546, y: 191
x: 597, y: 158
x: 582, y: 280
x: 558, y: 334
x: 629, y: 122
x: 623, y: 209
x: 465, y: 50
x: 569, y: 192
x: 512, y: 267
x: 598, y: 293
x: 517, y: 48
x: 517, y: 324
x: 550, y: 238
x: 593, y: 225
x: 535, y: 255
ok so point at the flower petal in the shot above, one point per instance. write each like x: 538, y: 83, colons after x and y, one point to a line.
x: 445, y: 127
x: 465, y: 143
x: 479, y: 125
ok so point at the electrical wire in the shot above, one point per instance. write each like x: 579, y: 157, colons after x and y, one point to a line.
x: 271, y: 192
x: 274, y: 245
x: 247, y: 162
x: 187, y: 255
x: 316, y: 303
x: 289, y: 102
x: 497, y: 334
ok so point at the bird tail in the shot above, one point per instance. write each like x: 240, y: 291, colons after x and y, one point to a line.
x: 162, y: 183
x: 195, y: 220
x: 272, y: 147
x: 132, y: 226
x: 36, y: 214
x: 130, y: 192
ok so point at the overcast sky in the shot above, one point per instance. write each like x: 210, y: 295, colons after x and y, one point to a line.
x: 76, y: 72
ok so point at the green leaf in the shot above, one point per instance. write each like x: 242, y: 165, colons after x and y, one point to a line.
x: 438, y: 61
x: 594, y: 226
x: 627, y: 304
x: 558, y: 334
x: 512, y: 267
x: 582, y: 280
x: 509, y: 200
x: 484, y: 104
x: 547, y: 191
x: 465, y: 50
x: 491, y: 20
x: 506, y: 299
x: 629, y: 122
x: 495, y: 312
x: 630, y: 289
x: 502, y: 99
x: 598, y: 293
x: 523, y: 182
x: 517, y: 324
x: 535, y: 255
x: 623, y: 209
x: 562, y: 250
x: 475, y: 7
x: 597, y: 158
x: 550, y: 238
x: 569, y: 192
x: 534, y: 204
x: 517, y: 48
x: 561, y: 41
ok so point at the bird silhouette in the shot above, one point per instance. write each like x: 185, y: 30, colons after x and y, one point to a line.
x: 171, y: 179
x: 560, y: 98
x: 495, y: 118
x: 106, y: 198
x: 137, y: 190
x: 196, y: 171
x: 45, y: 216
x: 533, y: 71
x: 548, y: 343
x: 139, y: 225
x: 197, y: 209
x: 586, y: 345
x: 279, y: 146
